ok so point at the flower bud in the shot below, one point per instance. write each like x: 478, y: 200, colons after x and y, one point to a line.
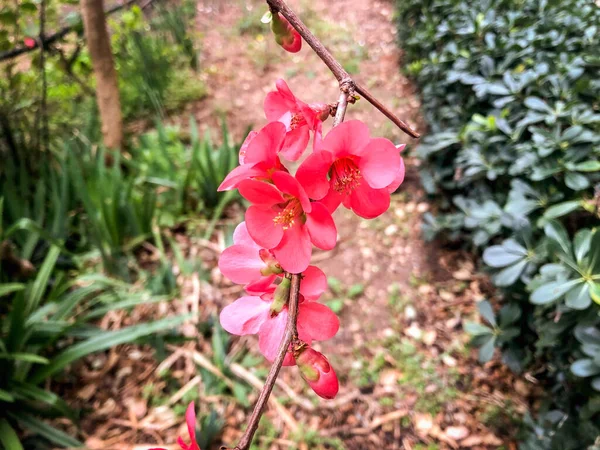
x: 317, y: 372
x: 285, y: 34
x: 321, y: 110
x: 280, y: 296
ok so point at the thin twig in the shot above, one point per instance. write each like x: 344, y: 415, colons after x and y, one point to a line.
x: 343, y: 77
x: 290, y: 332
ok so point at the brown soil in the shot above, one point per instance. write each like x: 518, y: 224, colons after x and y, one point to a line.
x: 408, y: 377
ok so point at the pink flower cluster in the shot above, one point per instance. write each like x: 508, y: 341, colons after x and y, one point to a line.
x: 291, y: 213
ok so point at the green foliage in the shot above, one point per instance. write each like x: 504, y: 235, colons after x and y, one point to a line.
x: 46, y: 324
x: 509, y: 90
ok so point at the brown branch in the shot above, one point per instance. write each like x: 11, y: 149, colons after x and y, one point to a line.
x: 335, y: 67
x: 290, y: 333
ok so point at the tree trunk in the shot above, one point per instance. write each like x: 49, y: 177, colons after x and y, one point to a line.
x: 107, y: 88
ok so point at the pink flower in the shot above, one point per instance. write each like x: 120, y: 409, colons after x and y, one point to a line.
x: 284, y: 220
x: 354, y: 169
x: 298, y: 117
x: 29, y: 42
x: 190, y: 419
x: 317, y: 372
x: 245, y: 262
x: 285, y: 34
x: 258, y: 315
x: 258, y: 156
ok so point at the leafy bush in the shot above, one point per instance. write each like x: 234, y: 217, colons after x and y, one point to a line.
x: 510, y: 91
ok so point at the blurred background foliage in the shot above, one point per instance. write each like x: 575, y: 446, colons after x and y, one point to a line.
x: 510, y: 93
x: 74, y: 217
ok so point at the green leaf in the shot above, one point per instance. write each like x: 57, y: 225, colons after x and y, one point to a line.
x: 6, y: 396
x: 502, y: 256
x: 579, y: 297
x: 549, y: 292
x: 8, y: 288
x: 537, y: 104
x: 576, y: 181
x: 102, y: 342
x: 562, y: 209
x: 595, y: 291
x: 596, y: 383
x: 585, y: 368
x: 476, y: 329
x: 41, y: 281
x: 355, y: 290
x: 510, y: 275
x: 587, y: 166
x: 487, y: 312
x: 486, y: 351
x: 9, y: 437
x: 581, y: 244
x: 509, y: 314
x: 27, y: 357
x: 43, y: 429
x: 555, y: 231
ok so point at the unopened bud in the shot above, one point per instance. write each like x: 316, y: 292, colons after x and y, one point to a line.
x: 272, y: 265
x: 285, y: 34
x: 321, y: 110
x: 280, y: 296
x: 317, y: 372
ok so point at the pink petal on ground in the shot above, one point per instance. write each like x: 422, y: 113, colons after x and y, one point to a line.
x: 368, y: 202
x: 295, y: 249
x: 261, y: 227
x: 379, y: 163
x: 245, y: 315
x: 316, y: 321
x: 348, y: 138
x: 312, y: 174
x: 260, y: 192
x: 321, y: 227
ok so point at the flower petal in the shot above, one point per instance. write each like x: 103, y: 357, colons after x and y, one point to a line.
x: 239, y: 174
x: 332, y: 200
x: 264, y: 232
x: 312, y: 174
x: 260, y: 192
x: 287, y: 184
x: 321, y: 227
x: 316, y: 321
x: 245, y: 315
x: 190, y: 420
x: 348, y: 138
x: 241, y: 264
x: 314, y: 283
x: 271, y: 334
x: 295, y: 143
x: 399, y: 178
x: 368, y: 202
x: 242, y: 237
x: 260, y: 286
x: 295, y: 249
x: 279, y: 102
x: 379, y: 163
x: 265, y: 146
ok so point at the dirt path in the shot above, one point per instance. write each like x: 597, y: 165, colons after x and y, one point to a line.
x: 408, y: 378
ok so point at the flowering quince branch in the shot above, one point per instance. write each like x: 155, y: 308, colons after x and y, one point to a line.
x: 289, y: 213
x: 343, y: 77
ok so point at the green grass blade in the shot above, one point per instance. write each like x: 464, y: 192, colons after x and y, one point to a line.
x: 41, y: 281
x: 9, y: 437
x: 106, y: 340
x: 9, y: 288
x: 48, y: 431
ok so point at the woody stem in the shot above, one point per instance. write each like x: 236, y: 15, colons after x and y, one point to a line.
x: 347, y: 83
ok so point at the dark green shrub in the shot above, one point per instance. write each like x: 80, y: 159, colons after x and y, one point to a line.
x: 510, y: 91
